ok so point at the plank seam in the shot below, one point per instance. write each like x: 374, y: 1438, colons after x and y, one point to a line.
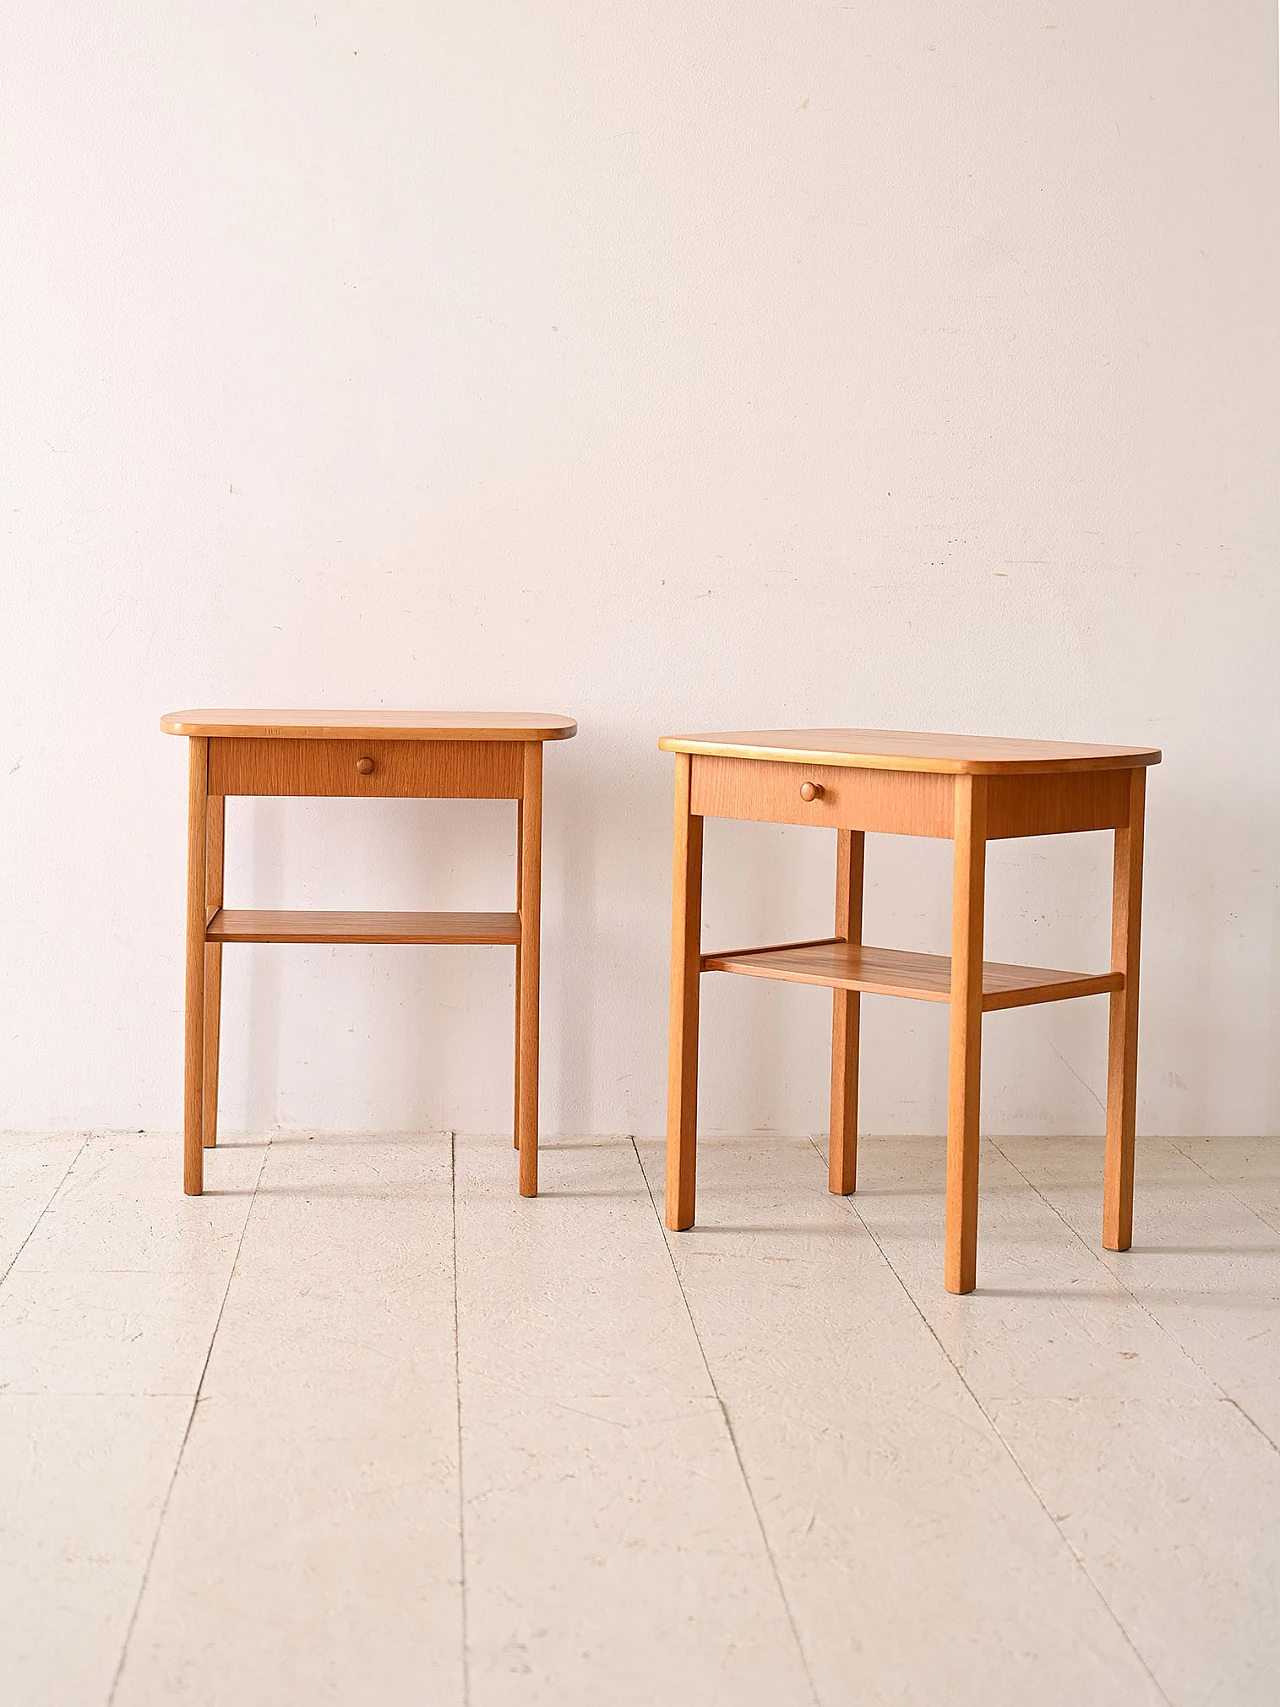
x: 728, y: 1427
x: 457, y: 1392
x: 186, y: 1435
x: 66, y: 1174
x: 1117, y: 1276
x: 853, y: 1209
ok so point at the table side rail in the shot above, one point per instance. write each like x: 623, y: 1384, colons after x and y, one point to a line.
x: 1056, y: 805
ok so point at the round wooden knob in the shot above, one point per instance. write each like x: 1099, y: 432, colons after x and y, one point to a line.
x: 811, y: 791
x: 365, y: 767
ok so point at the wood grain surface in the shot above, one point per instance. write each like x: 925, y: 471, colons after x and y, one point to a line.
x: 898, y: 972
x: 389, y: 725
x: 902, y: 803
x: 910, y: 750
x: 367, y: 769
x: 239, y: 924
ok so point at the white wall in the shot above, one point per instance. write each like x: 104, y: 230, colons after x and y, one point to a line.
x: 670, y: 365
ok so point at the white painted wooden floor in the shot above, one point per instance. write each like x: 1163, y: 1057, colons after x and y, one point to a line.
x: 360, y: 1426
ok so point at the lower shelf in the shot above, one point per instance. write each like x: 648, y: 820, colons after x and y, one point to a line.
x: 234, y: 924
x: 896, y: 972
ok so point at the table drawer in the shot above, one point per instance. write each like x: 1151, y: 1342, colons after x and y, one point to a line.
x: 906, y: 803
x: 374, y: 770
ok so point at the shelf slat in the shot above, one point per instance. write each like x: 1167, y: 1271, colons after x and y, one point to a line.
x: 235, y: 924
x: 897, y: 972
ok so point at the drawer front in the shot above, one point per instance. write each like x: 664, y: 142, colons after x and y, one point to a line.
x: 376, y: 770
x: 904, y: 803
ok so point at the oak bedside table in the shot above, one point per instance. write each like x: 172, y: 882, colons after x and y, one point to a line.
x: 973, y: 789
x: 367, y: 755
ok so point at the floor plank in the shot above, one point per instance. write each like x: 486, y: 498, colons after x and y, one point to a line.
x: 613, y: 1554
x: 767, y: 1461
x: 309, y: 1552
x: 32, y: 1167
x: 1205, y: 1266
x: 1174, y: 1505
x: 1049, y: 1318
x: 82, y: 1481
x: 1098, y: 1367
x: 106, y: 1319
x: 118, y: 1288
x: 1248, y: 1167
x: 919, y: 1564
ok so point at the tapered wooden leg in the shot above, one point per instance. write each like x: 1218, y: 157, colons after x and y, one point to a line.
x: 965, y: 1065
x: 515, y: 1119
x: 1122, y: 1043
x: 527, y: 977
x: 215, y: 844
x: 842, y: 1165
x: 197, y: 853
x: 686, y: 972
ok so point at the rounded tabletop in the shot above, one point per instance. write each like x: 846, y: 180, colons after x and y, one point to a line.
x: 372, y: 725
x: 912, y: 750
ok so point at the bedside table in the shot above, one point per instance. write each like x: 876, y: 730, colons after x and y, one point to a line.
x: 366, y: 755
x: 972, y: 789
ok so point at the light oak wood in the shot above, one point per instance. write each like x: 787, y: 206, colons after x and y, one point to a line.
x: 965, y: 1060
x: 717, y: 961
x: 909, y: 750
x: 842, y: 1158
x: 1122, y: 1043
x: 686, y: 960
x: 972, y: 789
x: 838, y: 965
x: 367, y: 769
x: 518, y: 726
x: 214, y: 871
x: 891, y: 803
x: 486, y: 755
x: 530, y: 957
x: 906, y: 802
x: 515, y: 1117
x: 193, y: 1078
x: 235, y: 924
x: 1057, y: 804
x: 902, y: 803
